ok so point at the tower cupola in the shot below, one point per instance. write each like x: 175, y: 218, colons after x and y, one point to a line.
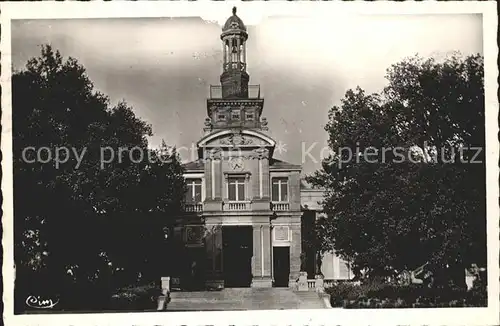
x: 234, y: 104
x: 234, y: 78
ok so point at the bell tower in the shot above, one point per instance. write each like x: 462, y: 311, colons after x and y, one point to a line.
x: 234, y: 78
x: 234, y: 104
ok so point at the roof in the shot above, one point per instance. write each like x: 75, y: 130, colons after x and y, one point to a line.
x: 234, y: 23
x: 275, y: 164
x: 197, y: 165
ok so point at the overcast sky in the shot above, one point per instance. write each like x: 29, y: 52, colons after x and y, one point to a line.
x: 163, y: 67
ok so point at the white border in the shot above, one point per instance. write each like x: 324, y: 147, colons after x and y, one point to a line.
x: 251, y: 13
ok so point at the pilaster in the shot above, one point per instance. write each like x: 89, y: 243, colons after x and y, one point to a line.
x: 295, y: 251
x: 254, y: 180
x: 266, y: 248
x: 257, y: 253
x: 208, y: 179
x: 294, y: 186
x: 261, y: 200
x: 217, y: 169
x: 265, y: 177
x: 261, y: 264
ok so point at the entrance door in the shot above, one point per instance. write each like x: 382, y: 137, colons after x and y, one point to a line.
x: 237, y: 256
x: 195, y: 278
x: 281, y: 261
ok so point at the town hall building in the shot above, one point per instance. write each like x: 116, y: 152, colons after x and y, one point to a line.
x: 244, y: 216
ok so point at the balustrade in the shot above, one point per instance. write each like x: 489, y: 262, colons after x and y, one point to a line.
x: 190, y: 208
x: 278, y: 207
x: 237, y: 206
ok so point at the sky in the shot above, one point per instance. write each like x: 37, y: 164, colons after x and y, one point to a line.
x: 163, y: 67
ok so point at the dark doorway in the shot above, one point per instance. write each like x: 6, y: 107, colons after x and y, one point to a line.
x: 237, y: 255
x: 281, y: 261
x: 195, y: 278
x: 308, y: 225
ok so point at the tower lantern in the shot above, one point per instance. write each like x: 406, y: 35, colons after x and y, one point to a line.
x: 234, y: 104
x: 234, y: 78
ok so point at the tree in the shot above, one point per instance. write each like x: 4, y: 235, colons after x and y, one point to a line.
x: 417, y: 198
x: 85, y: 220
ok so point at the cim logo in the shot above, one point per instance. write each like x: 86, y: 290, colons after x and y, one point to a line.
x: 38, y: 302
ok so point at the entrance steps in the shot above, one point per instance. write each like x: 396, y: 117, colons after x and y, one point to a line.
x: 244, y: 299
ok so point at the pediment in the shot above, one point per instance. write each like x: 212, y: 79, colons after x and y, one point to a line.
x: 237, y: 140
x: 228, y: 138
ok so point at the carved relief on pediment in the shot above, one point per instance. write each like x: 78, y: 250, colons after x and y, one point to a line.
x: 236, y: 140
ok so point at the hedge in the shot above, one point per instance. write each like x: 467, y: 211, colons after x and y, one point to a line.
x: 378, y: 295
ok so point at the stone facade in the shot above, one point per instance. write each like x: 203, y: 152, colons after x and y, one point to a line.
x: 245, y: 210
x: 242, y: 201
x: 332, y: 267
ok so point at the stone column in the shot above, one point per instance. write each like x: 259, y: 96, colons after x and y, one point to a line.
x: 238, y: 42
x: 295, y: 250
x: 224, y: 50
x: 231, y: 50
x: 244, y: 53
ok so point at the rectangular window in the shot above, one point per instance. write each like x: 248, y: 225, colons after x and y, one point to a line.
x: 279, y: 190
x: 221, y: 117
x: 193, y: 193
x: 249, y: 116
x: 236, y: 189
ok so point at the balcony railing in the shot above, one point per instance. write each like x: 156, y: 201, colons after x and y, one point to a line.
x: 237, y: 206
x: 216, y: 92
x: 279, y: 207
x: 190, y: 208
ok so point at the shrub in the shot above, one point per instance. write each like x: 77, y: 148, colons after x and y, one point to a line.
x: 350, y: 292
x: 136, y: 297
x: 342, y: 291
x: 478, y: 294
x: 379, y: 295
